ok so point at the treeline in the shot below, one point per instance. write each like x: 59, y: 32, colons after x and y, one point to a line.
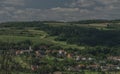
x: 37, y: 23
x: 22, y: 24
x: 101, y: 52
x: 95, y: 21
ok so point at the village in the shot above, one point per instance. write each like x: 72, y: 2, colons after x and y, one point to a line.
x: 111, y: 63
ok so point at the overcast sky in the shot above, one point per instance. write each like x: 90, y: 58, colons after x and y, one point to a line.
x: 60, y: 10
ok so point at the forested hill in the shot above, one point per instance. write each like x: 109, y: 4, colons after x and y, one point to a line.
x: 90, y: 35
x: 95, y: 21
x: 72, y: 22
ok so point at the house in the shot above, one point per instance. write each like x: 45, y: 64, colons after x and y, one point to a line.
x: 77, y: 58
x: 114, y: 58
x: 30, y: 48
x: 90, y: 59
x: 57, y: 72
x: 37, y: 53
x: 110, y: 67
x: 113, y: 67
x: 69, y: 55
x: 54, y: 51
x: 76, y: 68
x: 18, y: 52
x: 104, y: 68
x: 84, y: 59
x: 93, y: 67
x: 61, y: 53
x: 82, y: 66
x: 117, y: 67
x: 48, y: 51
x: 34, y: 67
x: 65, y: 52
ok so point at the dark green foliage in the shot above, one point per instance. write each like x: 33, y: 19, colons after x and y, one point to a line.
x: 95, y: 21
x: 84, y: 36
x: 22, y: 25
x: 11, y: 45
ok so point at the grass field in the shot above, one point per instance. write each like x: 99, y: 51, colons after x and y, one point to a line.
x: 42, y: 37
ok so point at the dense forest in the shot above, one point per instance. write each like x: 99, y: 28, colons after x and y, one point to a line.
x: 85, y: 36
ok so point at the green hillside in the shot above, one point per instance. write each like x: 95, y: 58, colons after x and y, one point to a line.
x: 96, y: 40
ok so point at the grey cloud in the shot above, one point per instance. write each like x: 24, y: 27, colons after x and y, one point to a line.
x: 65, y: 9
x: 110, y: 4
x: 13, y: 2
x: 108, y: 1
x: 82, y: 3
x: 17, y: 10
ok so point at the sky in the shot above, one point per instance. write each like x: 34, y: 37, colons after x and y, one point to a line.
x: 58, y: 10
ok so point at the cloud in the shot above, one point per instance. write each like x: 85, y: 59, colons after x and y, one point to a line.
x: 65, y: 9
x: 82, y: 3
x: 20, y: 10
x: 59, y: 14
x: 108, y: 1
x: 13, y: 2
x: 87, y: 4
